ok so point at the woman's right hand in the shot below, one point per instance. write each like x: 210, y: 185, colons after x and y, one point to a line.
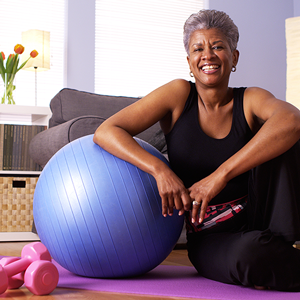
x: 172, y: 192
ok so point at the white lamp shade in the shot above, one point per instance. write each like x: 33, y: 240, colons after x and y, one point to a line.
x: 38, y: 40
x: 292, y: 27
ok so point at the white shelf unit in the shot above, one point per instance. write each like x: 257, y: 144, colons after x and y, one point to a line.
x: 22, y: 115
x: 19, y: 114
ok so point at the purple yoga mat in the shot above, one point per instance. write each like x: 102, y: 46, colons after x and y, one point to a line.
x: 172, y: 281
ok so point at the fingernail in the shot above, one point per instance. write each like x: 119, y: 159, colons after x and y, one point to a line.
x: 193, y: 220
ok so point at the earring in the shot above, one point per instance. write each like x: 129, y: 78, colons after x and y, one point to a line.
x: 233, y: 69
x: 191, y: 74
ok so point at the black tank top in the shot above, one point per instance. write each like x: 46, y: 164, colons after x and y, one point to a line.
x: 194, y: 155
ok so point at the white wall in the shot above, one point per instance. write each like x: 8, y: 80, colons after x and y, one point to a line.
x: 262, y: 42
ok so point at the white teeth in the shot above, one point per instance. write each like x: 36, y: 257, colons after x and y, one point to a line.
x: 210, y: 67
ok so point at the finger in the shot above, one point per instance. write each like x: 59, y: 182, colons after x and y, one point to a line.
x: 170, y: 210
x: 171, y: 205
x: 178, y: 204
x: 186, y: 201
x: 164, y: 205
x: 202, y: 212
x: 181, y: 212
x: 195, y: 210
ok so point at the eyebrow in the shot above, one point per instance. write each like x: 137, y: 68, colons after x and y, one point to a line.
x: 219, y: 41
x: 215, y: 42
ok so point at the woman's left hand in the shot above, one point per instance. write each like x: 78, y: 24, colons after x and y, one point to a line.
x: 203, y: 191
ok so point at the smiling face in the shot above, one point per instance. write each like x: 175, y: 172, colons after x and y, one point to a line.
x: 211, y: 59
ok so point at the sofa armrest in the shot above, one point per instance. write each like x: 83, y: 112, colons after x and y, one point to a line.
x: 45, y: 144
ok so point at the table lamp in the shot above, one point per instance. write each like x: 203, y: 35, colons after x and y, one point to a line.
x: 40, y: 41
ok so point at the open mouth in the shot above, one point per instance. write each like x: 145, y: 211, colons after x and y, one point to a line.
x: 210, y: 67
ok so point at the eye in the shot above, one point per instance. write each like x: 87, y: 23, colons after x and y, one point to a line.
x: 198, y: 49
x: 218, y: 47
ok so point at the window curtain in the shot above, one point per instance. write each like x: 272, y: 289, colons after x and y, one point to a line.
x: 17, y: 16
x: 138, y: 44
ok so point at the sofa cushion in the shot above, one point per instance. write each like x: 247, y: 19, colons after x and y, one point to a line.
x: 69, y: 104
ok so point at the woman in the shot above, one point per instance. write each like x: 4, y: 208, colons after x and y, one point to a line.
x: 233, y: 155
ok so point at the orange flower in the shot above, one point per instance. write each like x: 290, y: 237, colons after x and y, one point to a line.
x: 34, y: 53
x: 19, y: 49
x: 10, y: 68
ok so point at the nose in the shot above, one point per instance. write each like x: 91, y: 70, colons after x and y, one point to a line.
x: 208, y: 53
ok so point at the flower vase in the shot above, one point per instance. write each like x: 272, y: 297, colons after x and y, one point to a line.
x: 8, y: 89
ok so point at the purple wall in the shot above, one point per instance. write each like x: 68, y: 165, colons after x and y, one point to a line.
x: 262, y: 42
x: 80, y: 56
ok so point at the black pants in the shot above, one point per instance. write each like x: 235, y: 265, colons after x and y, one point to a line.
x: 256, y: 246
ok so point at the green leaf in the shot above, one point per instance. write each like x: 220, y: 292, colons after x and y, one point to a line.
x: 11, y: 67
x: 9, y: 64
x: 2, y: 69
x: 15, y: 65
x: 23, y: 64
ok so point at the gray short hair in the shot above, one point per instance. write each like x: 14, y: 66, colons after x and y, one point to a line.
x: 207, y: 19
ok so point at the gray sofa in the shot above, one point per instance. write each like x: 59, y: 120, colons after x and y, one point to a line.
x: 76, y: 114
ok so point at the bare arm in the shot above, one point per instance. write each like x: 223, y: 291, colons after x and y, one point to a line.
x: 115, y: 135
x: 280, y: 130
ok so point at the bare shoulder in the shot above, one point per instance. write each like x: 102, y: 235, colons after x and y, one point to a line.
x: 170, y: 100
x: 163, y: 104
x: 261, y: 100
x: 175, y: 91
x: 258, y: 101
x: 181, y: 84
x: 260, y: 105
x: 259, y: 94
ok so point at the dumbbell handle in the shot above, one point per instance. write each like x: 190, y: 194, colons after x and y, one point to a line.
x: 17, y: 266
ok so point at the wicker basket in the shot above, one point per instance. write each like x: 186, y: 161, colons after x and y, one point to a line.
x: 16, y: 199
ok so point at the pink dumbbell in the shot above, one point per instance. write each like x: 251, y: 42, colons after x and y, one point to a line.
x: 36, y: 259
x: 15, y: 281
x: 41, y: 277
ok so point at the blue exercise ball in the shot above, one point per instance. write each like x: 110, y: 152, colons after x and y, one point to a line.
x: 100, y: 216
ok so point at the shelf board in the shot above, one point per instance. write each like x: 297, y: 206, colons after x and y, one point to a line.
x: 24, y: 110
x: 18, y: 236
x: 23, y: 173
x: 37, y: 115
